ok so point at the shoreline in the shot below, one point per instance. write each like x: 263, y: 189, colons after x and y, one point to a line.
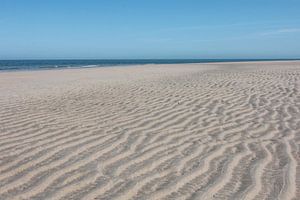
x: 229, y: 61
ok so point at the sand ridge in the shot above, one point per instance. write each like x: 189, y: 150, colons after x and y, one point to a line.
x: 192, y: 131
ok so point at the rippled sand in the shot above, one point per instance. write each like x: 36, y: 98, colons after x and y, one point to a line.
x: 192, y: 131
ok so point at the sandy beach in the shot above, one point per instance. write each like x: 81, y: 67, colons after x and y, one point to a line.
x: 181, y: 131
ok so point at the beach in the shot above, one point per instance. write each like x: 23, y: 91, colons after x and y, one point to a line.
x: 168, y: 131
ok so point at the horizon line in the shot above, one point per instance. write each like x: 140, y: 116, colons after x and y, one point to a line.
x: 150, y: 59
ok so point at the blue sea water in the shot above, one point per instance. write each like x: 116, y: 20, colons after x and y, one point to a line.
x: 11, y: 65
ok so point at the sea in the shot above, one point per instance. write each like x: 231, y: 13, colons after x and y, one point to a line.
x: 16, y: 65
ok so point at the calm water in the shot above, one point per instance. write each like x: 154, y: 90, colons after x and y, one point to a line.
x: 9, y: 65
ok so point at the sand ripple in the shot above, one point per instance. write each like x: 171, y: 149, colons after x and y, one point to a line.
x: 217, y: 131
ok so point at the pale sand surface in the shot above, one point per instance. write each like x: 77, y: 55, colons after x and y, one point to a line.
x: 192, y: 131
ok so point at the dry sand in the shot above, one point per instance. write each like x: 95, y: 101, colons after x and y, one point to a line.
x: 192, y: 131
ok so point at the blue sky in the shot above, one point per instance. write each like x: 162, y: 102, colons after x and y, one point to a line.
x: 149, y: 29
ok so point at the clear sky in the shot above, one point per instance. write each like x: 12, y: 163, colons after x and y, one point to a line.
x: 149, y: 29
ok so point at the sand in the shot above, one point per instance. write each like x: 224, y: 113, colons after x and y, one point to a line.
x: 192, y: 131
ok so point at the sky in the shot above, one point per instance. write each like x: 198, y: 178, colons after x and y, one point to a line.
x: 149, y: 29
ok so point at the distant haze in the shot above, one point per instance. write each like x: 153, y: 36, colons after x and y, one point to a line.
x: 62, y: 29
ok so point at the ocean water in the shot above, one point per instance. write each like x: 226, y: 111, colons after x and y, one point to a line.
x: 11, y: 65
